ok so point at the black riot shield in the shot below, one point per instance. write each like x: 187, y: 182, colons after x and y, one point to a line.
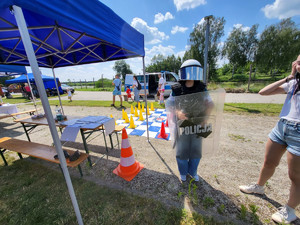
x: 195, y: 122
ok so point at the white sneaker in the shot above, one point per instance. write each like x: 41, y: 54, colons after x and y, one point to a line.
x: 196, y: 178
x: 252, y: 188
x: 183, y: 178
x: 285, y: 215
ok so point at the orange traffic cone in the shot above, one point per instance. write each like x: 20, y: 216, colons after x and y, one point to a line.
x: 128, y: 167
x: 167, y: 123
x: 162, y: 133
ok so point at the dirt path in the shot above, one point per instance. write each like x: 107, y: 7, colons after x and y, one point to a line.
x: 237, y: 162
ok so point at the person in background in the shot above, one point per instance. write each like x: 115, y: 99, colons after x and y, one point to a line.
x: 27, y: 91
x: 117, y: 91
x: 161, y: 88
x: 136, y: 91
x: 285, y: 137
x: 1, y: 92
x: 69, y: 94
x: 189, y: 146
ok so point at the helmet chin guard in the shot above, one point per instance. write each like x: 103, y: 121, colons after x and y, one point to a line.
x: 191, y: 70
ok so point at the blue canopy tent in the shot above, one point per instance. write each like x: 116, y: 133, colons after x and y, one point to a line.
x: 48, y: 81
x: 61, y: 33
x: 12, y: 70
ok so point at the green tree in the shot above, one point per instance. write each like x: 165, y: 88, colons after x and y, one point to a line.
x: 278, y: 46
x: 197, y: 43
x: 160, y: 63
x: 121, y: 67
x: 240, y: 46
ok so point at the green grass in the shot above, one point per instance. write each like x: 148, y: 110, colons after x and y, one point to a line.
x: 254, y: 108
x: 34, y: 194
x: 239, y: 108
x: 100, y: 103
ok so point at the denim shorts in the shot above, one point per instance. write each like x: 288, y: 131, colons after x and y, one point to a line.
x: 287, y: 133
x: 116, y: 92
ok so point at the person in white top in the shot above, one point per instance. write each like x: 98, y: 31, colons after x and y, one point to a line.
x: 161, y: 88
x: 285, y: 136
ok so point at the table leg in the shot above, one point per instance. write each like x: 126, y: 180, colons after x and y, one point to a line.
x: 26, y: 132
x: 85, y: 146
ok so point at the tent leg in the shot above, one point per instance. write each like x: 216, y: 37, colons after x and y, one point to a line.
x: 145, y: 94
x: 40, y: 85
x: 58, y: 92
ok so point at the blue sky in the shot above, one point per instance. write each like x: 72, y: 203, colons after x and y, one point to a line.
x: 166, y: 25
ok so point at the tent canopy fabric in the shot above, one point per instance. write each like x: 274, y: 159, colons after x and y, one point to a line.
x: 48, y: 81
x: 23, y: 79
x: 67, y: 33
x: 12, y: 70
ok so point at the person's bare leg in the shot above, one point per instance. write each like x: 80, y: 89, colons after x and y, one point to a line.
x: 114, y: 98
x: 273, y: 154
x: 120, y: 96
x: 294, y: 174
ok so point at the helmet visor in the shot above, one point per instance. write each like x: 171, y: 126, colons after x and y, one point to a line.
x: 191, y: 73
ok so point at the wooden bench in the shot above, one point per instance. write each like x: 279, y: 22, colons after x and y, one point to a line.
x: 143, y: 95
x: 30, y: 112
x: 14, y: 115
x: 37, y: 150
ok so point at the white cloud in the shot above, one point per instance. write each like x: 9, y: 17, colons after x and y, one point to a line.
x: 152, y: 34
x: 158, y: 18
x: 201, y: 21
x: 188, y: 4
x: 282, y: 9
x: 241, y: 26
x: 178, y: 29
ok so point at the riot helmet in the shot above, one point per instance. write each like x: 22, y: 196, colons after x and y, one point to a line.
x: 191, y: 69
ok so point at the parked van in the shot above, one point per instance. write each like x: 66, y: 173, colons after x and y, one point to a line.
x: 152, y: 82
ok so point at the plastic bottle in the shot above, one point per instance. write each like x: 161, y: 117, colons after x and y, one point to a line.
x: 58, y: 113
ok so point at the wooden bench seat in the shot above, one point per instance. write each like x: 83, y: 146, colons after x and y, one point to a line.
x: 30, y: 112
x: 14, y: 115
x: 37, y: 150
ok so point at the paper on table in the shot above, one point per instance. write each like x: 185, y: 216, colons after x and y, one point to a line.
x: 70, y: 133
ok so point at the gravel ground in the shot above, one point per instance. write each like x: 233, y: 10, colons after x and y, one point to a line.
x: 237, y: 162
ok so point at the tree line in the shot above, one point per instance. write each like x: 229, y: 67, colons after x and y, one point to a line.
x: 271, y: 51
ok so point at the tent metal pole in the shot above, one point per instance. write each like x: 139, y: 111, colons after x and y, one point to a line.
x: 145, y: 94
x: 40, y: 85
x: 58, y: 92
x: 32, y: 95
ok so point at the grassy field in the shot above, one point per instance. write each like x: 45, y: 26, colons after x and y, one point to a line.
x: 245, y: 108
x: 34, y: 194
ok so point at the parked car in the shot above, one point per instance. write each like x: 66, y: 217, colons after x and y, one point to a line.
x: 64, y: 87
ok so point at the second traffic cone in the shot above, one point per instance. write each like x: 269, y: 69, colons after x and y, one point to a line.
x: 132, y: 110
x: 139, y: 106
x: 143, y: 109
x: 162, y: 133
x: 141, y: 118
x: 152, y: 108
x: 148, y: 112
x: 131, y: 123
x: 128, y: 167
x: 167, y: 123
x: 136, y: 112
x: 123, y: 114
x: 126, y: 117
